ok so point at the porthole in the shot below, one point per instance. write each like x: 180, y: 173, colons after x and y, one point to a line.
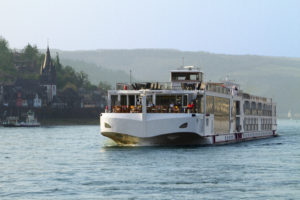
x: 106, y: 125
x: 184, y: 125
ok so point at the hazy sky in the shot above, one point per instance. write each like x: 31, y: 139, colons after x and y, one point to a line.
x: 263, y: 27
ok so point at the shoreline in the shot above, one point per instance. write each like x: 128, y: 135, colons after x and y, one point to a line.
x: 66, y: 122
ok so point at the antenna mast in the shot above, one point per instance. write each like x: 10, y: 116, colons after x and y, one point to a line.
x: 130, y: 76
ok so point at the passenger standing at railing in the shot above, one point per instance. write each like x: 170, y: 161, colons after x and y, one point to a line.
x: 150, y: 107
x: 171, y: 107
x: 179, y: 106
x: 150, y: 104
x: 191, y: 107
x: 234, y: 91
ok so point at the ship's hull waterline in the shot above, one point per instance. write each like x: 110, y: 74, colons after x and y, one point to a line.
x: 183, y: 139
x: 165, y: 140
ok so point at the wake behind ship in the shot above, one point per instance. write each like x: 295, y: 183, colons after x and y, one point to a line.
x: 186, y: 111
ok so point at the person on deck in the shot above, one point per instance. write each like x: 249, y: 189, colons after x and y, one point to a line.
x: 191, y: 107
x: 171, y: 107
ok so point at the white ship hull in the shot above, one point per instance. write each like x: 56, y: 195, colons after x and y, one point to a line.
x: 169, y: 129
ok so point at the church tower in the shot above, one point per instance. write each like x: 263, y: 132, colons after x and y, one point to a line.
x: 48, y: 76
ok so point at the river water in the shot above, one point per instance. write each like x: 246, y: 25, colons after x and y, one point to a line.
x: 76, y: 162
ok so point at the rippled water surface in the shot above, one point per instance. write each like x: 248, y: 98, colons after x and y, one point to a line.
x: 76, y: 162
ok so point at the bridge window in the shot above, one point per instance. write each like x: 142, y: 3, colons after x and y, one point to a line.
x: 131, y: 100
x: 181, y: 76
x: 194, y: 77
x: 123, y: 100
x: 114, y: 100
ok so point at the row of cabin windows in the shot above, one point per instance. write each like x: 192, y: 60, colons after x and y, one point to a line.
x: 259, y: 109
x: 217, y: 88
x: 266, y: 127
x: 251, y: 124
x: 266, y: 124
x: 167, y: 101
x: 214, y: 105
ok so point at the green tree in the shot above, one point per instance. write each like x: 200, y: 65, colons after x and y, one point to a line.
x: 28, y: 61
x: 70, y: 86
x: 30, y: 53
x: 82, y: 79
x: 57, y: 64
x: 7, y: 68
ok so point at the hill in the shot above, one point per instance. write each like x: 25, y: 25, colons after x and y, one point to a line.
x: 276, y: 77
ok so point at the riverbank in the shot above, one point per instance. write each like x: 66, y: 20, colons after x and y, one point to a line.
x: 48, y: 116
x: 69, y: 121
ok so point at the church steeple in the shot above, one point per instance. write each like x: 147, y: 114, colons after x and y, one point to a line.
x: 48, y: 76
x: 48, y: 72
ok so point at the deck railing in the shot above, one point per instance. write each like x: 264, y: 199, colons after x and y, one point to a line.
x: 144, y: 85
x: 158, y: 86
x: 218, y: 89
x: 256, y: 98
x: 152, y: 109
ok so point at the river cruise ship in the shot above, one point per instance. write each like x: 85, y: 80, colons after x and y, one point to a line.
x: 186, y: 111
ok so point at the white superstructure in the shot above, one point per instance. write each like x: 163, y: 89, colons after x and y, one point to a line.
x: 186, y: 111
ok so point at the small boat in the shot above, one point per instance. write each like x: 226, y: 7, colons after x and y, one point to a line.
x: 290, y: 115
x: 13, y: 121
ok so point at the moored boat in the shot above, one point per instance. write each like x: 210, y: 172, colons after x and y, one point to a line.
x: 186, y: 111
x: 13, y: 121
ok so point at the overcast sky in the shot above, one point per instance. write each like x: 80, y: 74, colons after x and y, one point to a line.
x: 261, y: 27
